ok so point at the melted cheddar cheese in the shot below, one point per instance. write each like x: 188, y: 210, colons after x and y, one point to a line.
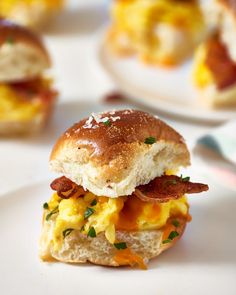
x: 127, y: 257
x: 111, y: 214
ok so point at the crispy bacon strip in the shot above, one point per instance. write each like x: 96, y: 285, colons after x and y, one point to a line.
x: 66, y: 188
x: 168, y: 187
x: 221, y: 65
x: 37, y: 87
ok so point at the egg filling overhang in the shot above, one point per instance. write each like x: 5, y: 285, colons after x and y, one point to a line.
x: 22, y: 101
x: 73, y: 208
x: 137, y: 22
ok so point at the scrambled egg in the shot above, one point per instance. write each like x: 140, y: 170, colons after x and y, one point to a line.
x: 110, y: 214
x: 6, y: 6
x: 138, y: 15
x: 202, y: 76
x: 13, y: 108
x: 139, y: 21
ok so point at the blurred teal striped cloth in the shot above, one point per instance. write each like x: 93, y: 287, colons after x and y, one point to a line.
x: 223, y: 141
x: 217, y: 151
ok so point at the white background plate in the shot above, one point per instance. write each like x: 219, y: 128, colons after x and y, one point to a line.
x: 202, y: 262
x: 166, y: 90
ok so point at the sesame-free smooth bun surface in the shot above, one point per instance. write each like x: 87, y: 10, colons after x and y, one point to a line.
x: 107, y: 154
x: 22, y: 53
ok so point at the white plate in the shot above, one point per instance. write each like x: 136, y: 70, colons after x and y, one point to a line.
x: 202, y: 262
x: 166, y: 90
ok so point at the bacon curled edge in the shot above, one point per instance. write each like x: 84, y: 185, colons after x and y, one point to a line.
x: 168, y: 187
x: 66, y: 188
x: 218, y: 60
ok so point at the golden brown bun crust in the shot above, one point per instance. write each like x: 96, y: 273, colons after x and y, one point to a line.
x: 10, y: 32
x: 78, y: 248
x: 105, y: 142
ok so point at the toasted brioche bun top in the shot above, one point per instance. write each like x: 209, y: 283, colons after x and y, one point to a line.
x: 22, y: 53
x: 107, y: 154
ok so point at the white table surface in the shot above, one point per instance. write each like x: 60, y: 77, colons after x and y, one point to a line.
x: 81, y: 83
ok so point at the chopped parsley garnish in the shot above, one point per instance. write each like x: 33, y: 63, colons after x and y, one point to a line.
x: 54, y: 211
x: 171, y: 237
x: 120, y: 246
x: 88, y: 212
x: 184, y: 179
x: 150, y: 140
x: 92, y: 232
x: 166, y: 241
x: 66, y: 232
x: 175, y: 223
x: 45, y: 206
x: 94, y: 202
x: 107, y: 122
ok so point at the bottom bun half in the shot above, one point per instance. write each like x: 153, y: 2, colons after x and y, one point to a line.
x: 78, y: 248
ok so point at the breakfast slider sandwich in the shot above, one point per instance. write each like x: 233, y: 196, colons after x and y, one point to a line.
x: 26, y: 94
x: 118, y: 201
x: 214, y: 74
x: 30, y: 13
x: 163, y: 32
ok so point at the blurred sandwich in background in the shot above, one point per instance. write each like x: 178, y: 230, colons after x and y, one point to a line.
x: 220, y: 15
x: 30, y: 13
x: 214, y: 71
x: 163, y: 32
x: 26, y: 94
